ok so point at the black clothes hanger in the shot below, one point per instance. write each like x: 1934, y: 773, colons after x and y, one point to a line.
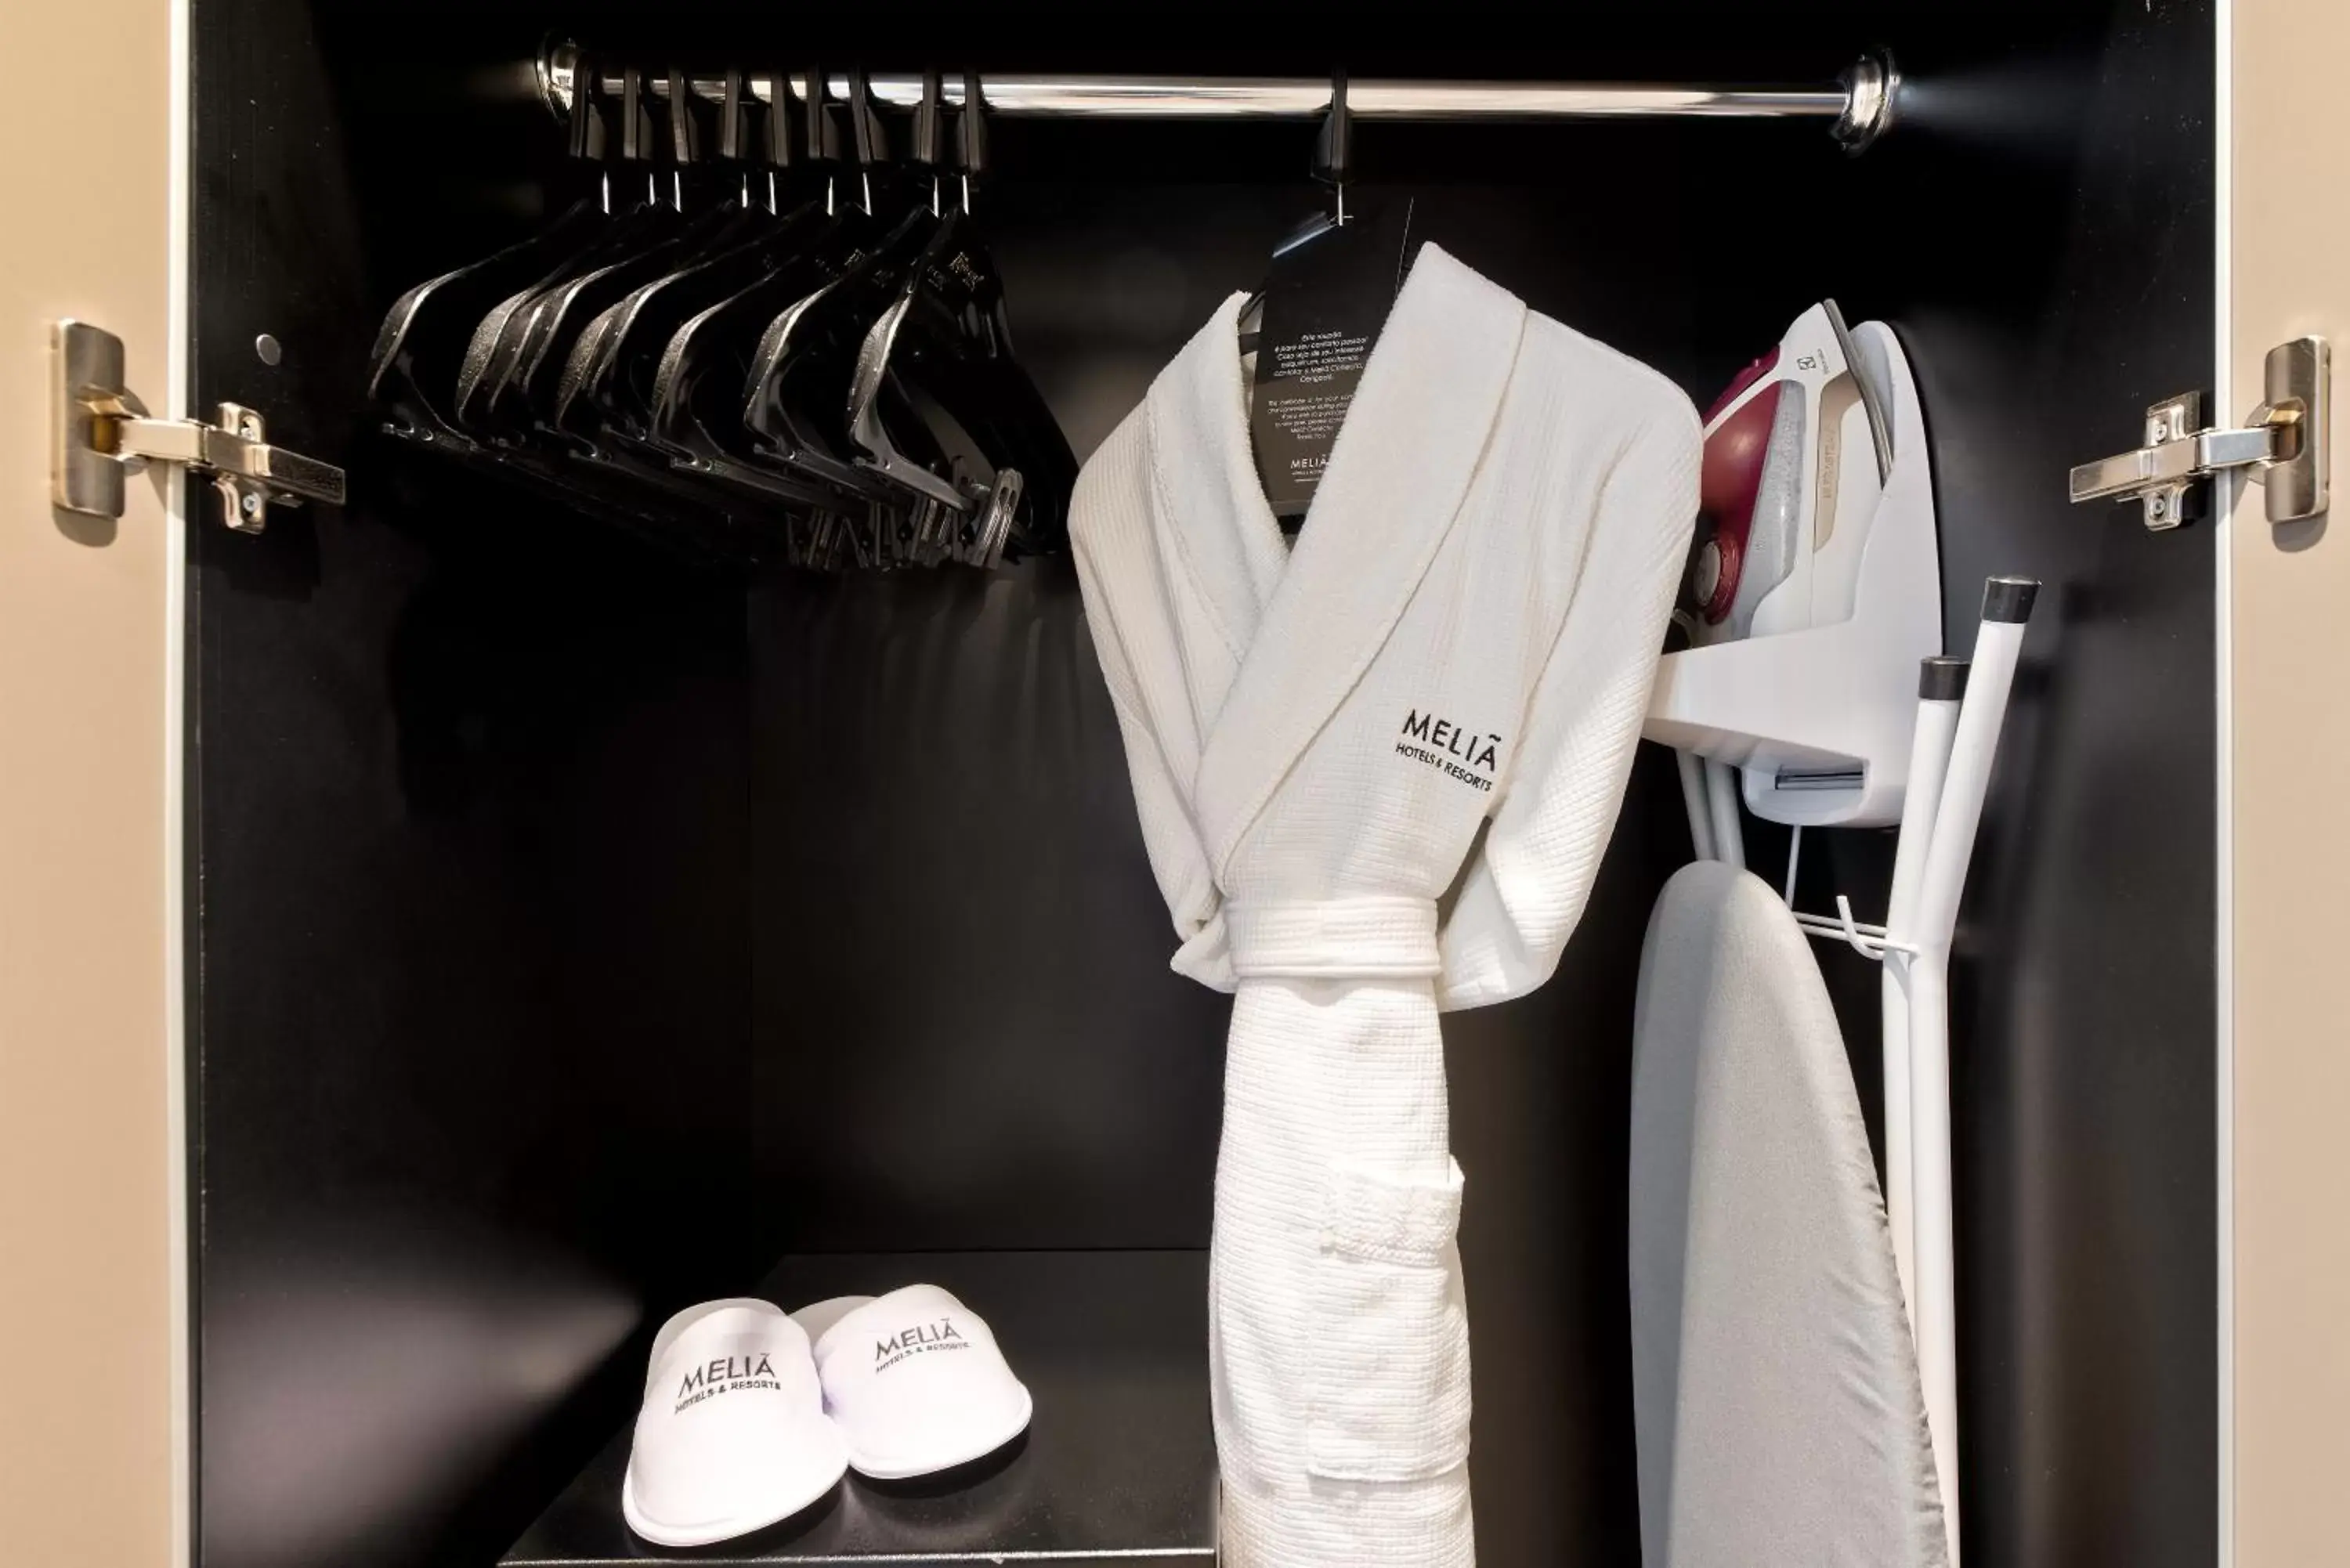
x: 937, y: 392
x: 413, y: 367
x: 1325, y: 297
x: 504, y: 407
x: 713, y: 349
x: 697, y: 389
x: 628, y: 191
x: 776, y: 348
x: 608, y: 379
x: 535, y: 343
x: 641, y: 219
x: 605, y: 408
x: 420, y: 348
x: 795, y: 396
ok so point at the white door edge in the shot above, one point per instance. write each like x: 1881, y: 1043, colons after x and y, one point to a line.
x: 2223, y: 763
x: 177, y: 1185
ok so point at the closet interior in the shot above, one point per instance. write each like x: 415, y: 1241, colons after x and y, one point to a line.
x: 602, y: 901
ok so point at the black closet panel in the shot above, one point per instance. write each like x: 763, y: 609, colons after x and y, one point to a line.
x: 967, y: 1032
x: 468, y: 819
x: 2044, y: 243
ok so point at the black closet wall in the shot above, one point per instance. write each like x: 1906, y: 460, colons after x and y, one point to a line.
x: 576, y: 929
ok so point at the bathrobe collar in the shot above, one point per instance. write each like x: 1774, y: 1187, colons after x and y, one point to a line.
x: 1298, y: 626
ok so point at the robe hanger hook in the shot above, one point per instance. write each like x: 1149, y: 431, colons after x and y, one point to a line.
x: 1333, y: 145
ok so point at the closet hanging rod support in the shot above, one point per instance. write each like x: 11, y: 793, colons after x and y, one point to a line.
x: 1859, y: 108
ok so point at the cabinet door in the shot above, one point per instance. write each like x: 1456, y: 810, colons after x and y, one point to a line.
x: 2286, y: 673
x: 91, y: 1314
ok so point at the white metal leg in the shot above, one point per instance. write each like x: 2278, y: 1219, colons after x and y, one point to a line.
x: 1933, y: 1311
x: 2007, y: 602
x: 1940, y: 681
x: 1722, y: 795
x: 1700, y: 816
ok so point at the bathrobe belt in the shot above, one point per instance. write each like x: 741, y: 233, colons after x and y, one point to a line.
x: 1366, y: 938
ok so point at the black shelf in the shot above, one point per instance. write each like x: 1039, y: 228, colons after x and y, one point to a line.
x: 1118, y: 1460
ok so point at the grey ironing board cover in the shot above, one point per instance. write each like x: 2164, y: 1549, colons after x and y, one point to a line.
x: 1780, y: 1416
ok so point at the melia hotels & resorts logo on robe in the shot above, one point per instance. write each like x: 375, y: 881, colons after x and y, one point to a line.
x: 1467, y: 754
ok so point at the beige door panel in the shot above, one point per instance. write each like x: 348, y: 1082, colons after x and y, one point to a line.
x: 2289, y: 700
x: 89, y: 1314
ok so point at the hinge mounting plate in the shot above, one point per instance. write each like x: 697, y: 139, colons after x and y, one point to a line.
x: 2285, y: 445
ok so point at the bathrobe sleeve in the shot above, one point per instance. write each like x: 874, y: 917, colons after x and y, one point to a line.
x: 1523, y: 892
x: 1157, y: 724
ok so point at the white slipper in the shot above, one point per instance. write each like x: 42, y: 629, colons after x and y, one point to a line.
x: 817, y: 1318
x: 732, y: 1435
x: 914, y: 1380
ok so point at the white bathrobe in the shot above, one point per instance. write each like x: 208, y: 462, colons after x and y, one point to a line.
x: 1462, y: 638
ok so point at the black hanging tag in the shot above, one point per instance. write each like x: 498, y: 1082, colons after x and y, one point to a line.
x: 1327, y: 295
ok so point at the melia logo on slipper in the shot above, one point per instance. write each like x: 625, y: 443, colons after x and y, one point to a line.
x: 929, y: 1336
x: 932, y: 1411
x: 723, y: 1376
x: 703, y: 1468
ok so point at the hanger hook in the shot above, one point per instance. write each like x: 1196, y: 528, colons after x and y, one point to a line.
x: 774, y: 142
x: 869, y: 139
x: 928, y: 147
x: 587, y: 136
x: 1333, y: 145
x: 822, y: 138
x: 970, y: 136
x: 685, y: 140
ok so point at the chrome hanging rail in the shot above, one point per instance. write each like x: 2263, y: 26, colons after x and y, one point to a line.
x: 1859, y: 107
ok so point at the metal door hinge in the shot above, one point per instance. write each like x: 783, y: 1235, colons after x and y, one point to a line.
x: 2284, y: 444
x: 100, y: 433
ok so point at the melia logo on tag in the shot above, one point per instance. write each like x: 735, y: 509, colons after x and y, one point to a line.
x: 920, y: 1340
x: 1470, y: 756
x: 725, y: 1374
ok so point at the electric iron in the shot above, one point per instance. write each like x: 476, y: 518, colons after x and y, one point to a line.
x: 1812, y: 576
x: 1797, y: 453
